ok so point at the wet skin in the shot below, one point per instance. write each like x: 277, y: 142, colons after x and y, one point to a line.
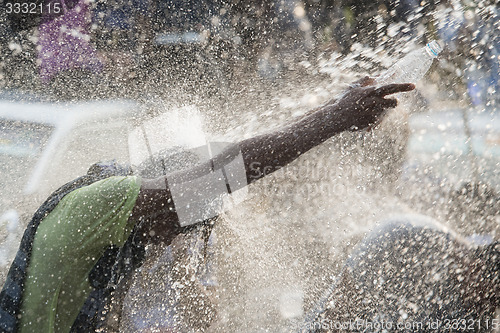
x: 360, y: 107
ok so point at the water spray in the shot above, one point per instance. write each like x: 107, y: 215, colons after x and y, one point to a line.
x: 412, y: 68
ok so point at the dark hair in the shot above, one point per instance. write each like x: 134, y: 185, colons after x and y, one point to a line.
x: 489, y: 256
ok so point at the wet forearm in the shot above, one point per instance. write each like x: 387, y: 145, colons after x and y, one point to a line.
x: 358, y: 108
x: 266, y: 153
x: 262, y: 155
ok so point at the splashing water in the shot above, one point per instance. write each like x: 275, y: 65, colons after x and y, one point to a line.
x: 273, y: 256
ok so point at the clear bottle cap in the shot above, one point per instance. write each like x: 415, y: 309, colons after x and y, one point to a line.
x: 434, y: 48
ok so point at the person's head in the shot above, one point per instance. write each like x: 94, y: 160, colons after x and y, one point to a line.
x: 485, y: 277
x: 412, y: 270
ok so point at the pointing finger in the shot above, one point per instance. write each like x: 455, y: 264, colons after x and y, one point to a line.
x: 394, y: 88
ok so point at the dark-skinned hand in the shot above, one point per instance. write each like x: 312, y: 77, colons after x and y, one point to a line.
x: 364, y: 106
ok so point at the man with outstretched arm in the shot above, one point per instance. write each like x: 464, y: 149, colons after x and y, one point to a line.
x: 52, y: 283
x: 359, y: 108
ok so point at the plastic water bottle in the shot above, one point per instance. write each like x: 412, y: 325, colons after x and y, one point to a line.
x: 412, y: 67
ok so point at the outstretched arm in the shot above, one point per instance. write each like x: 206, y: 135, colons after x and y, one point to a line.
x: 357, y: 109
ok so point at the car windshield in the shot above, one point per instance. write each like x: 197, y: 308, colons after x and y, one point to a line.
x: 21, y: 144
